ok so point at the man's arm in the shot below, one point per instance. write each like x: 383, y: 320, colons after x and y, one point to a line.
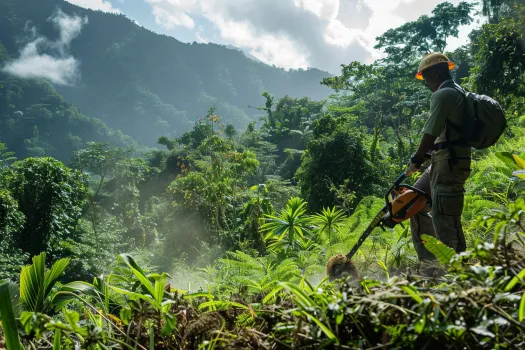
x: 426, y: 144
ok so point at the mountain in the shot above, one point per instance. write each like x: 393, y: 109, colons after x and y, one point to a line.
x: 146, y: 84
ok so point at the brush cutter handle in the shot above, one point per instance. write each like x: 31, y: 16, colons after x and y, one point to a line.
x: 398, y: 181
x: 395, y: 185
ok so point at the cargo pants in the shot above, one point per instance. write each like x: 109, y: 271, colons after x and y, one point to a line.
x: 446, y: 185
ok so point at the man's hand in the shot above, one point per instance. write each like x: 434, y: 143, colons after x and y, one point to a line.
x: 427, y: 141
x: 412, y: 168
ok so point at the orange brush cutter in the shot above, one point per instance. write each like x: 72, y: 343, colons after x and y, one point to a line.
x: 402, y: 202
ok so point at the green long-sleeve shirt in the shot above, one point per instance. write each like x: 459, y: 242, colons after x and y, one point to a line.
x: 446, y: 104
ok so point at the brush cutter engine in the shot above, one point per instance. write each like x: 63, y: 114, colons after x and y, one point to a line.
x: 406, y: 202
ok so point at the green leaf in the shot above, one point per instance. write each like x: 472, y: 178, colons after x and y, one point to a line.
x: 170, y: 323
x: 125, y: 315
x: 300, y: 297
x: 144, y: 281
x: 443, y: 253
x: 128, y: 259
x: 339, y: 318
x: 68, y: 292
x: 403, y: 235
x: 412, y: 291
x: 9, y: 327
x: 519, y: 277
x: 32, y: 284
x: 519, y: 162
x: 521, y: 313
x: 382, y: 265
x: 72, y: 318
x: 57, y: 345
x: 221, y: 305
x: 160, y: 284
x: 271, y: 295
x: 145, y: 297
x: 54, y: 273
x: 199, y: 295
x: 507, y: 158
x: 420, y: 323
x: 323, y: 327
x: 36, y: 283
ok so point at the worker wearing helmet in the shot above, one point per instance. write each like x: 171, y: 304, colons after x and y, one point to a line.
x: 450, y: 164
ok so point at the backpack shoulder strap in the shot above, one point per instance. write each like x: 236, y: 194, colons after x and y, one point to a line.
x: 452, y: 125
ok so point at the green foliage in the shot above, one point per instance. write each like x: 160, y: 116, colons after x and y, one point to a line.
x: 330, y: 160
x: 50, y: 196
x: 290, y: 227
x: 37, y: 121
x: 440, y: 251
x: 9, y: 326
x: 499, y: 60
x: 427, y: 34
x: 36, y: 283
x: 328, y: 224
x: 494, y: 9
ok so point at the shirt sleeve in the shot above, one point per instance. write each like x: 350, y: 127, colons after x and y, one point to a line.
x: 438, y: 115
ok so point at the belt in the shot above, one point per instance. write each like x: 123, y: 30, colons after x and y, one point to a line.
x: 451, y: 147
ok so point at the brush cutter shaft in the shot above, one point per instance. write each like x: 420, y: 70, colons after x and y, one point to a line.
x: 375, y: 222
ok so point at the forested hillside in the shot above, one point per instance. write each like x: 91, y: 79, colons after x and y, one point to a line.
x: 219, y: 238
x: 146, y: 84
x: 37, y: 121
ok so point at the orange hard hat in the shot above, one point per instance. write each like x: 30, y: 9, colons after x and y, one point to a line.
x: 431, y: 59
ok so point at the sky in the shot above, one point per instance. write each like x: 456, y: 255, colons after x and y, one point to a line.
x: 321, y: 34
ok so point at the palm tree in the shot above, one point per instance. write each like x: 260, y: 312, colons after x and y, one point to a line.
x: 290, y: 224
x: 328, y: 222
x: 304, y: 135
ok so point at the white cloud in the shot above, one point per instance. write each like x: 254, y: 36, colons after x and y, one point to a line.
x: 200, y: 37
x: 170, y: 14
x: 102, y: 5
x: 42, y: 58
x: 297, y: 33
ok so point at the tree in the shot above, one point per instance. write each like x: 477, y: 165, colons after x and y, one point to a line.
x: 427, y: 34
x: 335, y: 155
x: 100, y: 159
x: 253, y: 213
x: 495, y: 9
x: 328, y: 224
x: 210, y: 189
x: 51, y: 197
x: 498, y: 52
x: 289, y: 116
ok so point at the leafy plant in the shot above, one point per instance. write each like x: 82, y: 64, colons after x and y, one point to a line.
x: 288, y: 226
x: 37, y: 282
x: 9, y: 326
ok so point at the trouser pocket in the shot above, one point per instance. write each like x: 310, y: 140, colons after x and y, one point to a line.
x: 450, y: 204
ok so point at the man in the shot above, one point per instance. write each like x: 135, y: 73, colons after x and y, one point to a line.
x: 450, y: 168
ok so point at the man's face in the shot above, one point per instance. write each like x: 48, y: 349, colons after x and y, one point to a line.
x: 430, y: 81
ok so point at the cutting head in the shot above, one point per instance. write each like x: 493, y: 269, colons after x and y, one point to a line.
x: 339, y: 266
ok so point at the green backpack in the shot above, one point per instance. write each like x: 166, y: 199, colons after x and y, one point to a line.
x: 485, y: 124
